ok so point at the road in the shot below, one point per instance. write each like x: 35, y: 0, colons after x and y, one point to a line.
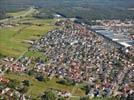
x: 30, y: 11
x: 2, y: 73
x: 19, y: 57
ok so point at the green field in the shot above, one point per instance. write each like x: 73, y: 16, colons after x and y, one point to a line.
x: 37, y: 87
x: 24, y: 13
x: 19, y: 31
x: 12, y: 39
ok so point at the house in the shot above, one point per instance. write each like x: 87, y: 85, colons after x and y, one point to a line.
x: 3, y: 80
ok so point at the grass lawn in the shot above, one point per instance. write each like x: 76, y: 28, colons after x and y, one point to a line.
x: 12, y: 39
x: 35, y: 54
x: 37, y: 87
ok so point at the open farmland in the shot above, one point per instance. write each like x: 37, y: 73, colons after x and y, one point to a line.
x: 24, y: 13
x: 13, y: 39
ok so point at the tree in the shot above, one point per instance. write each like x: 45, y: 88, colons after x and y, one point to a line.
x: 61, y: 98
x: 30, y: 72
x: 86, y: 89
x: 84, y: 98
x: 13, y: 83
x: 1, y: 55
x: 130, y: 96
x: 2, y: 13
x: 26, y: 82
x: 23, y: 89
x: 40, y: 78
x: 15, y: 97
x: 48, y: 95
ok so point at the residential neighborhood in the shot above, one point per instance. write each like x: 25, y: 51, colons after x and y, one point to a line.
x: 66, y: 49
x: 77, y: 55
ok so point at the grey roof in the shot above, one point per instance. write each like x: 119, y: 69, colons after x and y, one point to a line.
x: 119, y: 38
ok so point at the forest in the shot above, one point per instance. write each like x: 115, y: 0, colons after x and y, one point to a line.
x: 85, y: 9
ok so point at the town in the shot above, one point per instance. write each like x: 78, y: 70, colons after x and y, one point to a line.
x: 75, y: 54
x: 66, y: 49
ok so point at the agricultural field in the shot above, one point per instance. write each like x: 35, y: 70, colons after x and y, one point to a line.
x: 24, y: 13
x: 14, y: 39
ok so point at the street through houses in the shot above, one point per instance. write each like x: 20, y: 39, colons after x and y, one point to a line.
x: 79, y: 55
x: 74, y: 55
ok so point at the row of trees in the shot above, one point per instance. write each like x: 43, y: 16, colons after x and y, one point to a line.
x: 2, y: 13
